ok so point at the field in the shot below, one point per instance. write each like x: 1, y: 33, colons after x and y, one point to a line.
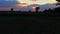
x: 29, y: 24
x: 21, y: 22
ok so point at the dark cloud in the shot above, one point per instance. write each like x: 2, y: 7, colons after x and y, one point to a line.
x: 58, y: 0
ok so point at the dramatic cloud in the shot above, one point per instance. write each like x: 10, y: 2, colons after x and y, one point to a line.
x: 21, y: 5
x: 40, y: 2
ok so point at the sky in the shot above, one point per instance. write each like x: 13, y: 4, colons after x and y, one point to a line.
x: 26, y: 5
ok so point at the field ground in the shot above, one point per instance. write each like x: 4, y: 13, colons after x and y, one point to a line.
x: 20, y: 24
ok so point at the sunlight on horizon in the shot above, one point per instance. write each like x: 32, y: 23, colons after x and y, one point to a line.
x: 39, y: 2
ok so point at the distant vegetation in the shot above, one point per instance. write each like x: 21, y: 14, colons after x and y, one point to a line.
x: 49, y: 12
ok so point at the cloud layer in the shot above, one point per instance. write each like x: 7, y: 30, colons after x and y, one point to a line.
x: 7, y: 4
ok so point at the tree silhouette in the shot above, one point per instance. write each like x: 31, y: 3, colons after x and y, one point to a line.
x: 57, y: 9
x: 37, y: 8
x: 11, y: 9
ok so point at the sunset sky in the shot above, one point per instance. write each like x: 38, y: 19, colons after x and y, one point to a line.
x: 41, y: 2
x: 27, y: 4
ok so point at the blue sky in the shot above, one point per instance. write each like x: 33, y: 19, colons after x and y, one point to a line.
x: 4, y: 3
x: 7, y: 4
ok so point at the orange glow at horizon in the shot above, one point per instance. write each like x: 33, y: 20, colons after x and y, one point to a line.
x: 34, y: 0
x: 8, y: 8
x: 4, y: 8
x: 22, y: 5
x: 33, y: 8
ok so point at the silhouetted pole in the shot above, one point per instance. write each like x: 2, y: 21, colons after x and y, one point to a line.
x: 37, y: 8
x: 11, y: 9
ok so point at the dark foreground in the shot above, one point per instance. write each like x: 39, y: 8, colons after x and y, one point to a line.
x: 16, y: 22
x: 29, y: 25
